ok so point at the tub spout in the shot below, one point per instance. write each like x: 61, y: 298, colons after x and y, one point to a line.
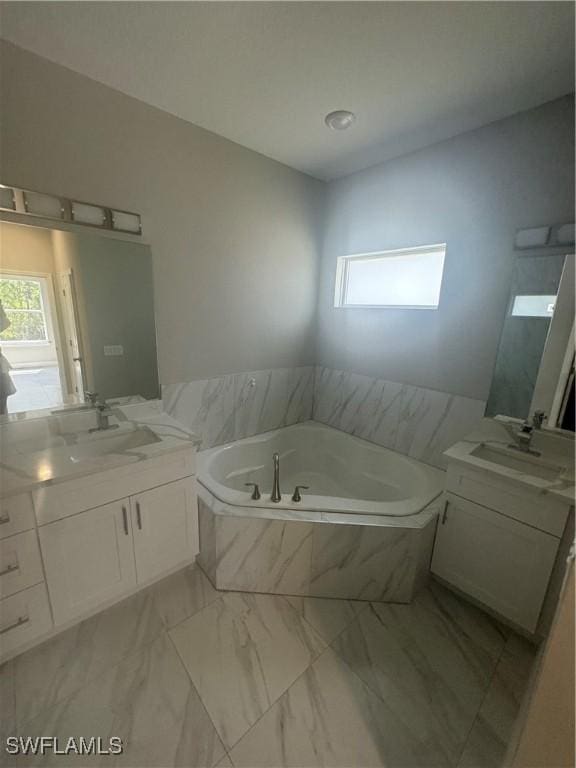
x: 276, y: 497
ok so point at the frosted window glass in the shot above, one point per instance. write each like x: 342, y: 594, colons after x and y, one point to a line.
x: 410, y: 278
x: 533, y: 306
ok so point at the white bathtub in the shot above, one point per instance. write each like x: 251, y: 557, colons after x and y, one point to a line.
x: 345, y: 473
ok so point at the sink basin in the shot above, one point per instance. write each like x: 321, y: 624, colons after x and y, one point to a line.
x: 102, y: 443
x: 528, y: 465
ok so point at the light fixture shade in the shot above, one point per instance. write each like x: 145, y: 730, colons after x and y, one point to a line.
x: 43, y: 205
x: 7, y: 198
x: 126, y: 222
x: 340, y: 119
x: 88, y: 214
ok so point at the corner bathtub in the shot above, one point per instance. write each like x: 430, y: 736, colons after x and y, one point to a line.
x: 344, y: 473
x: 364, y: 530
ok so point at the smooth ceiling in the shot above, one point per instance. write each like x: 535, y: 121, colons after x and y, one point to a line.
x: 264, y: 74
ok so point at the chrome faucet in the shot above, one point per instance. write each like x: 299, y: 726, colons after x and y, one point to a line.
x: 276, y: 497
x: 538, y: 419
x: 102, y: 413
x: 523, y: 438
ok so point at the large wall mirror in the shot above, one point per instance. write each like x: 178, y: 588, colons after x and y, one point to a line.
x: 535, y: 363
x: 76, y: 316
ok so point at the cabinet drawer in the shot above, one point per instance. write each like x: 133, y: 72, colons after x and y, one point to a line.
x: 20, y: 563
x: 502, y: 563
x: 16, y: 514
x: 23, y: 617
x: 541, y: 511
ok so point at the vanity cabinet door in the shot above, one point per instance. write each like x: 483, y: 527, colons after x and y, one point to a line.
x: 89, y: 559
x: 504, y: 564
x: 165, y: 525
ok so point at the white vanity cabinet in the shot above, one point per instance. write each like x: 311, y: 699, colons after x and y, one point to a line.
x: 504, y: 564
x: 69, y: 549
x: 498, y: 543
x: 97, y: 556
x: 165, y: 528
x: 89, y: 559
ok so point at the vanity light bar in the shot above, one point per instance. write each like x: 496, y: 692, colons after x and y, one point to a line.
x: 550, y: 236
x: 56, y: 208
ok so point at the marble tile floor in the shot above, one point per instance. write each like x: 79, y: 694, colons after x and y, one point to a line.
x: 188, y: 676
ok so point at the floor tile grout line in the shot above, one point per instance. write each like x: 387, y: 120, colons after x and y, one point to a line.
x: 383, y: 700
x: 92, y: 679
x: 165, y: 630
x: 483, y: 699
x: 499, y: 661
x: 272, y: 703
x: 312, y: 663
x: 89, y: 680
x: 200, y: 699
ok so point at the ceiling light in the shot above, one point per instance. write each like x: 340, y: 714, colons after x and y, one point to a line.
x: 340, y: 120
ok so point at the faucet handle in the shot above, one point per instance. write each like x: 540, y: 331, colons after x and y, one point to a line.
x: 296, y: 496
x: 256, y: 492
x: 92, y: 397
x: 538, y: 419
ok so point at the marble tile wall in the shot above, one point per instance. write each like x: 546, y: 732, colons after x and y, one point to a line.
x: 418, y: 422
x: 239, y: 405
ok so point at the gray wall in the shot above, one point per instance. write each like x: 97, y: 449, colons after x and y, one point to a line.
x: 471, y: 192
x: 233, y: 234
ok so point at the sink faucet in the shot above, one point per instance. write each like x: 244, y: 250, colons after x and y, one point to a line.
x: 276, y: 497
x: 538, y: 419
x: 102, y: 413
x: 523, y: 438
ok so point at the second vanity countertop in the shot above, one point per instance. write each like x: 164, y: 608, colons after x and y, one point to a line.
x: 556, y: 451
x: 59, y: 447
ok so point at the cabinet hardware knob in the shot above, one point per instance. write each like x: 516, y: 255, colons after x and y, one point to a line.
x: 5, y: 519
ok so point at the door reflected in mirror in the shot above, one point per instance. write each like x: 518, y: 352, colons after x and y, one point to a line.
x: 76, y: 316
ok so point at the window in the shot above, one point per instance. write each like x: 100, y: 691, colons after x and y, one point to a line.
x: 533, y: 306
x: 409, y: 278
x: 23, y: 302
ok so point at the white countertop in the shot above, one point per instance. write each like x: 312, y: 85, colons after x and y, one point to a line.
x: 555, y: 450
x: 53, y: 448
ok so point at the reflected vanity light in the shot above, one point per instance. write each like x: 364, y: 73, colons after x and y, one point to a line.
x: 83, y: 213
x: 24, y: 201
x: 43, y: 205
x: 7, y: 198
x: 122, y: 221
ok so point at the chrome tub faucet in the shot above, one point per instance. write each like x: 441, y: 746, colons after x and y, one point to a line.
x: 276, y: 496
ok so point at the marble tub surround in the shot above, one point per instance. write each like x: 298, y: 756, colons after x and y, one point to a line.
x: 421, y: 423
x: 557, y: 452
x: 238, y: 405
x: 315, y: 554
x: 283, y: 677
x: 57, y: 447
